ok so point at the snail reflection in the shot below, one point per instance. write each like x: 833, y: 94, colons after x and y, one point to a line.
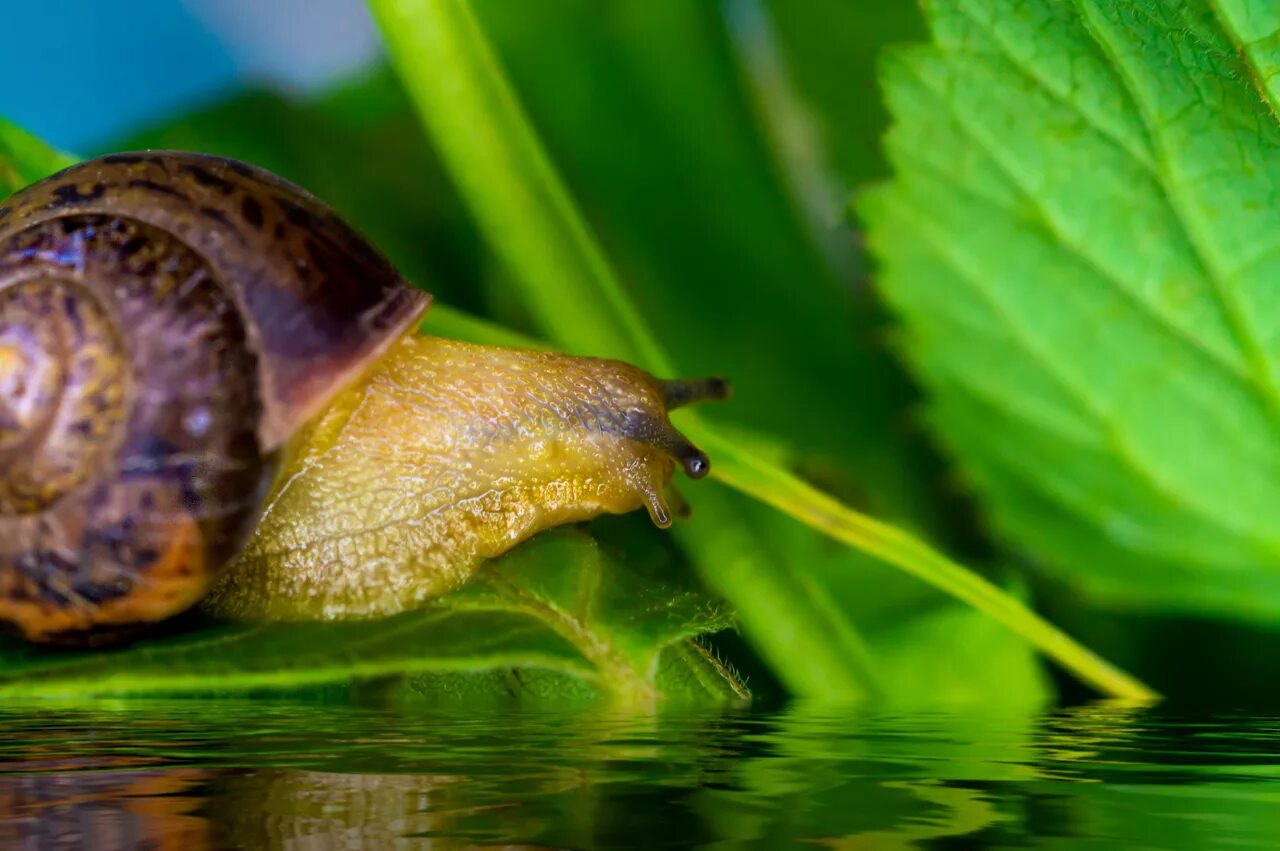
x: 109, y: 805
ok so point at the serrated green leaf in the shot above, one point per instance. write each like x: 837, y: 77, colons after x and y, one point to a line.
x: 1081, y: 241
x: 560, y: 605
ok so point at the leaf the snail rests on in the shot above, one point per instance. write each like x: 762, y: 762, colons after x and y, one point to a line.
x: 170, y: 323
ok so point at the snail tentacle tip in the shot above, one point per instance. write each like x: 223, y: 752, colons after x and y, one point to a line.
x: 656, y: 502
x: 691, y: 459
x: 660, y: 433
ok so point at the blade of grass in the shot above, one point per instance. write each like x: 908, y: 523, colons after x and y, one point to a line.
x: 739, y: 468
x: 472, y: 113
x: 503, y: 170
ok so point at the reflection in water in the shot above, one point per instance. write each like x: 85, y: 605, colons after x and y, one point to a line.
x: 300, y: 809
x: 196, y: 776
x: 52, y: 804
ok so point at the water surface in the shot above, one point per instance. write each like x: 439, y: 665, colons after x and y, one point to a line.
x: 203, y: 775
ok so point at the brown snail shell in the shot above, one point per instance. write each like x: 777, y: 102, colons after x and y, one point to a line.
x: 167, y: 322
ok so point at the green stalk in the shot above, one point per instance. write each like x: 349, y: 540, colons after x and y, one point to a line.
x: 498, y: 162
x: 790, y: 495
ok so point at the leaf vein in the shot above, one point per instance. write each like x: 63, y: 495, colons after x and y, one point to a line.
x: 1047, y: 225
x: 1115, y: 438
x: 1028, y: 73
x: 1237, y: 318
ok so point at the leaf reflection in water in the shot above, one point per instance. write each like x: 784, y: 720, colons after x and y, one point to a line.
x: 274, y: 775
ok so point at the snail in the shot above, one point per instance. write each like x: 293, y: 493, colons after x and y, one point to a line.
x: 213, y: 390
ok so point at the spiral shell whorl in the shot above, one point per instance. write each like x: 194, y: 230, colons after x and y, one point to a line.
x: 62, y: 387
x: 128, y: 429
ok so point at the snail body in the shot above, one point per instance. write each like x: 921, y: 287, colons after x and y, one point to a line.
x: 212, y: 388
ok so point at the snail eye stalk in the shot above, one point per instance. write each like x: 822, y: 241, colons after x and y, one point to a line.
x: 679, y: 392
